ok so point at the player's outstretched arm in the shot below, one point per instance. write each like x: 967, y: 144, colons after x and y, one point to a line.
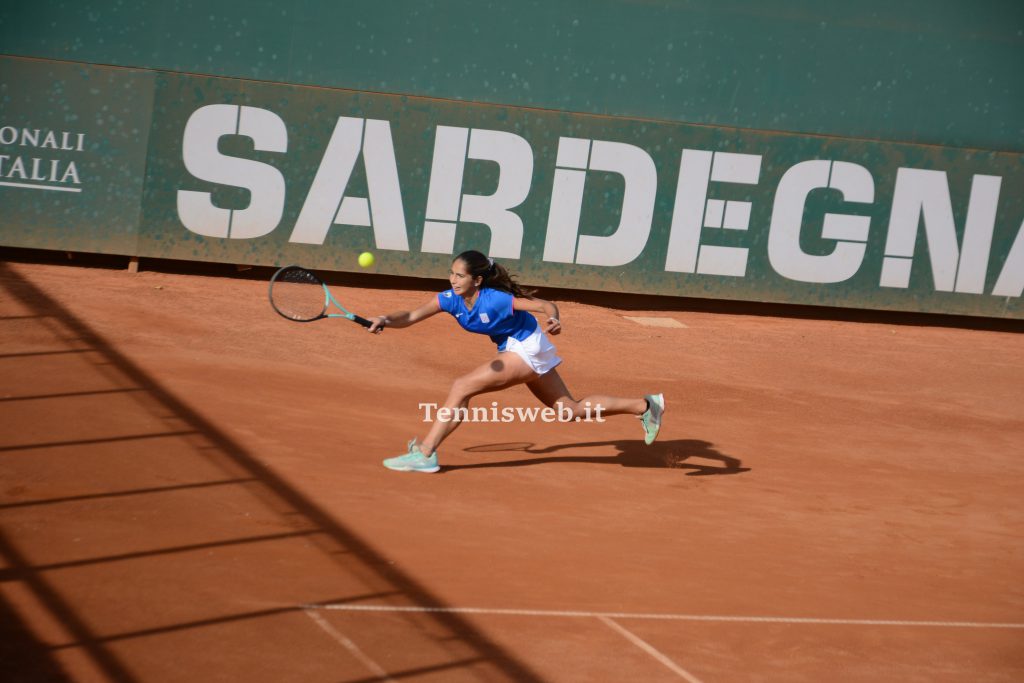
x: 544, y: 308
x: 405, y: 318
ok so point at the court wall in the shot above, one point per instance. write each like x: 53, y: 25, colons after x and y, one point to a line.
x: 210, y: 151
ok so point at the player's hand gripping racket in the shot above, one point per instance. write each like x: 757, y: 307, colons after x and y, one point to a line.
x: 299, y: 295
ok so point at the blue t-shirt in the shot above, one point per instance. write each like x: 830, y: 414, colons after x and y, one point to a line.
x: 492, y: 315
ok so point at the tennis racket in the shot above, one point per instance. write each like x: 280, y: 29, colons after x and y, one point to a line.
x: 299, y: 295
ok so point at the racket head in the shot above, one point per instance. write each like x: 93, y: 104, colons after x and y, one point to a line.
x: 298, y: 294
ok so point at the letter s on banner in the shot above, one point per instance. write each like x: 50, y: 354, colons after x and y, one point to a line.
x: 204, y: 161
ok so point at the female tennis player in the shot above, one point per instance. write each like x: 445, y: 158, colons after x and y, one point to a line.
x: 485, y: 299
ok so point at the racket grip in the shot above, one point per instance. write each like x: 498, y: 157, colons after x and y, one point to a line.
x: 362, y: 321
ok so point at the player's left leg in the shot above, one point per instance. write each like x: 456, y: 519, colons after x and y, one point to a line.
x: 552, y: 392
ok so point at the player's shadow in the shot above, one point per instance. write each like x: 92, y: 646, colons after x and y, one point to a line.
x: 699, y: 458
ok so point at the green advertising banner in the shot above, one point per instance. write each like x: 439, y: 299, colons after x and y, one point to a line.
x: 73, y: 141
x: 260, y: 173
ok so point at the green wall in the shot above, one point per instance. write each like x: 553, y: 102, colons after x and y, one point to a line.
x: 229, y: 170
x: 943, y: 72
x: 865, y: 154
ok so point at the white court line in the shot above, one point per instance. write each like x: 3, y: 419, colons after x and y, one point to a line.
x: 654, y: 322
x: 650, y: 649
x: 666, y: 617
x: 349, y: 645
x: 53, y: 188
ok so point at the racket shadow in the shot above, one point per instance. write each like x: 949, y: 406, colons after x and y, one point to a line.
x: 698, y: 458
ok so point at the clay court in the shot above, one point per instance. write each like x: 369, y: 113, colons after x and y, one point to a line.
x: 192, y: 491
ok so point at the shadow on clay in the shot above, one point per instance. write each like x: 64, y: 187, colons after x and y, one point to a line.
x: 700, y: 458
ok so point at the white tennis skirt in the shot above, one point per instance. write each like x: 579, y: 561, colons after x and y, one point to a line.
x: 537, y: 350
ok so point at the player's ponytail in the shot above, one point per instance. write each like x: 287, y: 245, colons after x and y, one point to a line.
x: 494, y: 274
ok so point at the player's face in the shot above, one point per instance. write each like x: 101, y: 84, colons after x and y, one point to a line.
x: 461, y: 281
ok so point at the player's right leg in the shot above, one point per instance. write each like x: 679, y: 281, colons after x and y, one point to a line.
x: 506, y: 370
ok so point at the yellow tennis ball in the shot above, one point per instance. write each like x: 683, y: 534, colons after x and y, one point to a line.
x: 366, y: 259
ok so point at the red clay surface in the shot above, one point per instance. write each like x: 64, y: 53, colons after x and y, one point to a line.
x: 191, y: 490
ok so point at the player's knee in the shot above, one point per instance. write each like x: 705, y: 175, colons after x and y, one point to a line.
x: 462, y: 388
x: 569, y: 408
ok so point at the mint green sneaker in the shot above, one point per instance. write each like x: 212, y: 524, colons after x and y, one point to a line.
x: 652, y: 418
x: 413, y: 461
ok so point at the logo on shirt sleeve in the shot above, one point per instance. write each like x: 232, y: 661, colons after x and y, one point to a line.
x: 447, y: 295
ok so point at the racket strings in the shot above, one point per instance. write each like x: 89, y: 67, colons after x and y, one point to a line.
x: 298, y: 294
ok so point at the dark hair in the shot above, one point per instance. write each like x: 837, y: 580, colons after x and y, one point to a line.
x: 494, y: 274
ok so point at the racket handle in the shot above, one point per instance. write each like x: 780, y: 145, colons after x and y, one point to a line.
x: 362, y: 321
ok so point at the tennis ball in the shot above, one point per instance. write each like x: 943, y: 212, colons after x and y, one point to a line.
x: 366, y: 259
